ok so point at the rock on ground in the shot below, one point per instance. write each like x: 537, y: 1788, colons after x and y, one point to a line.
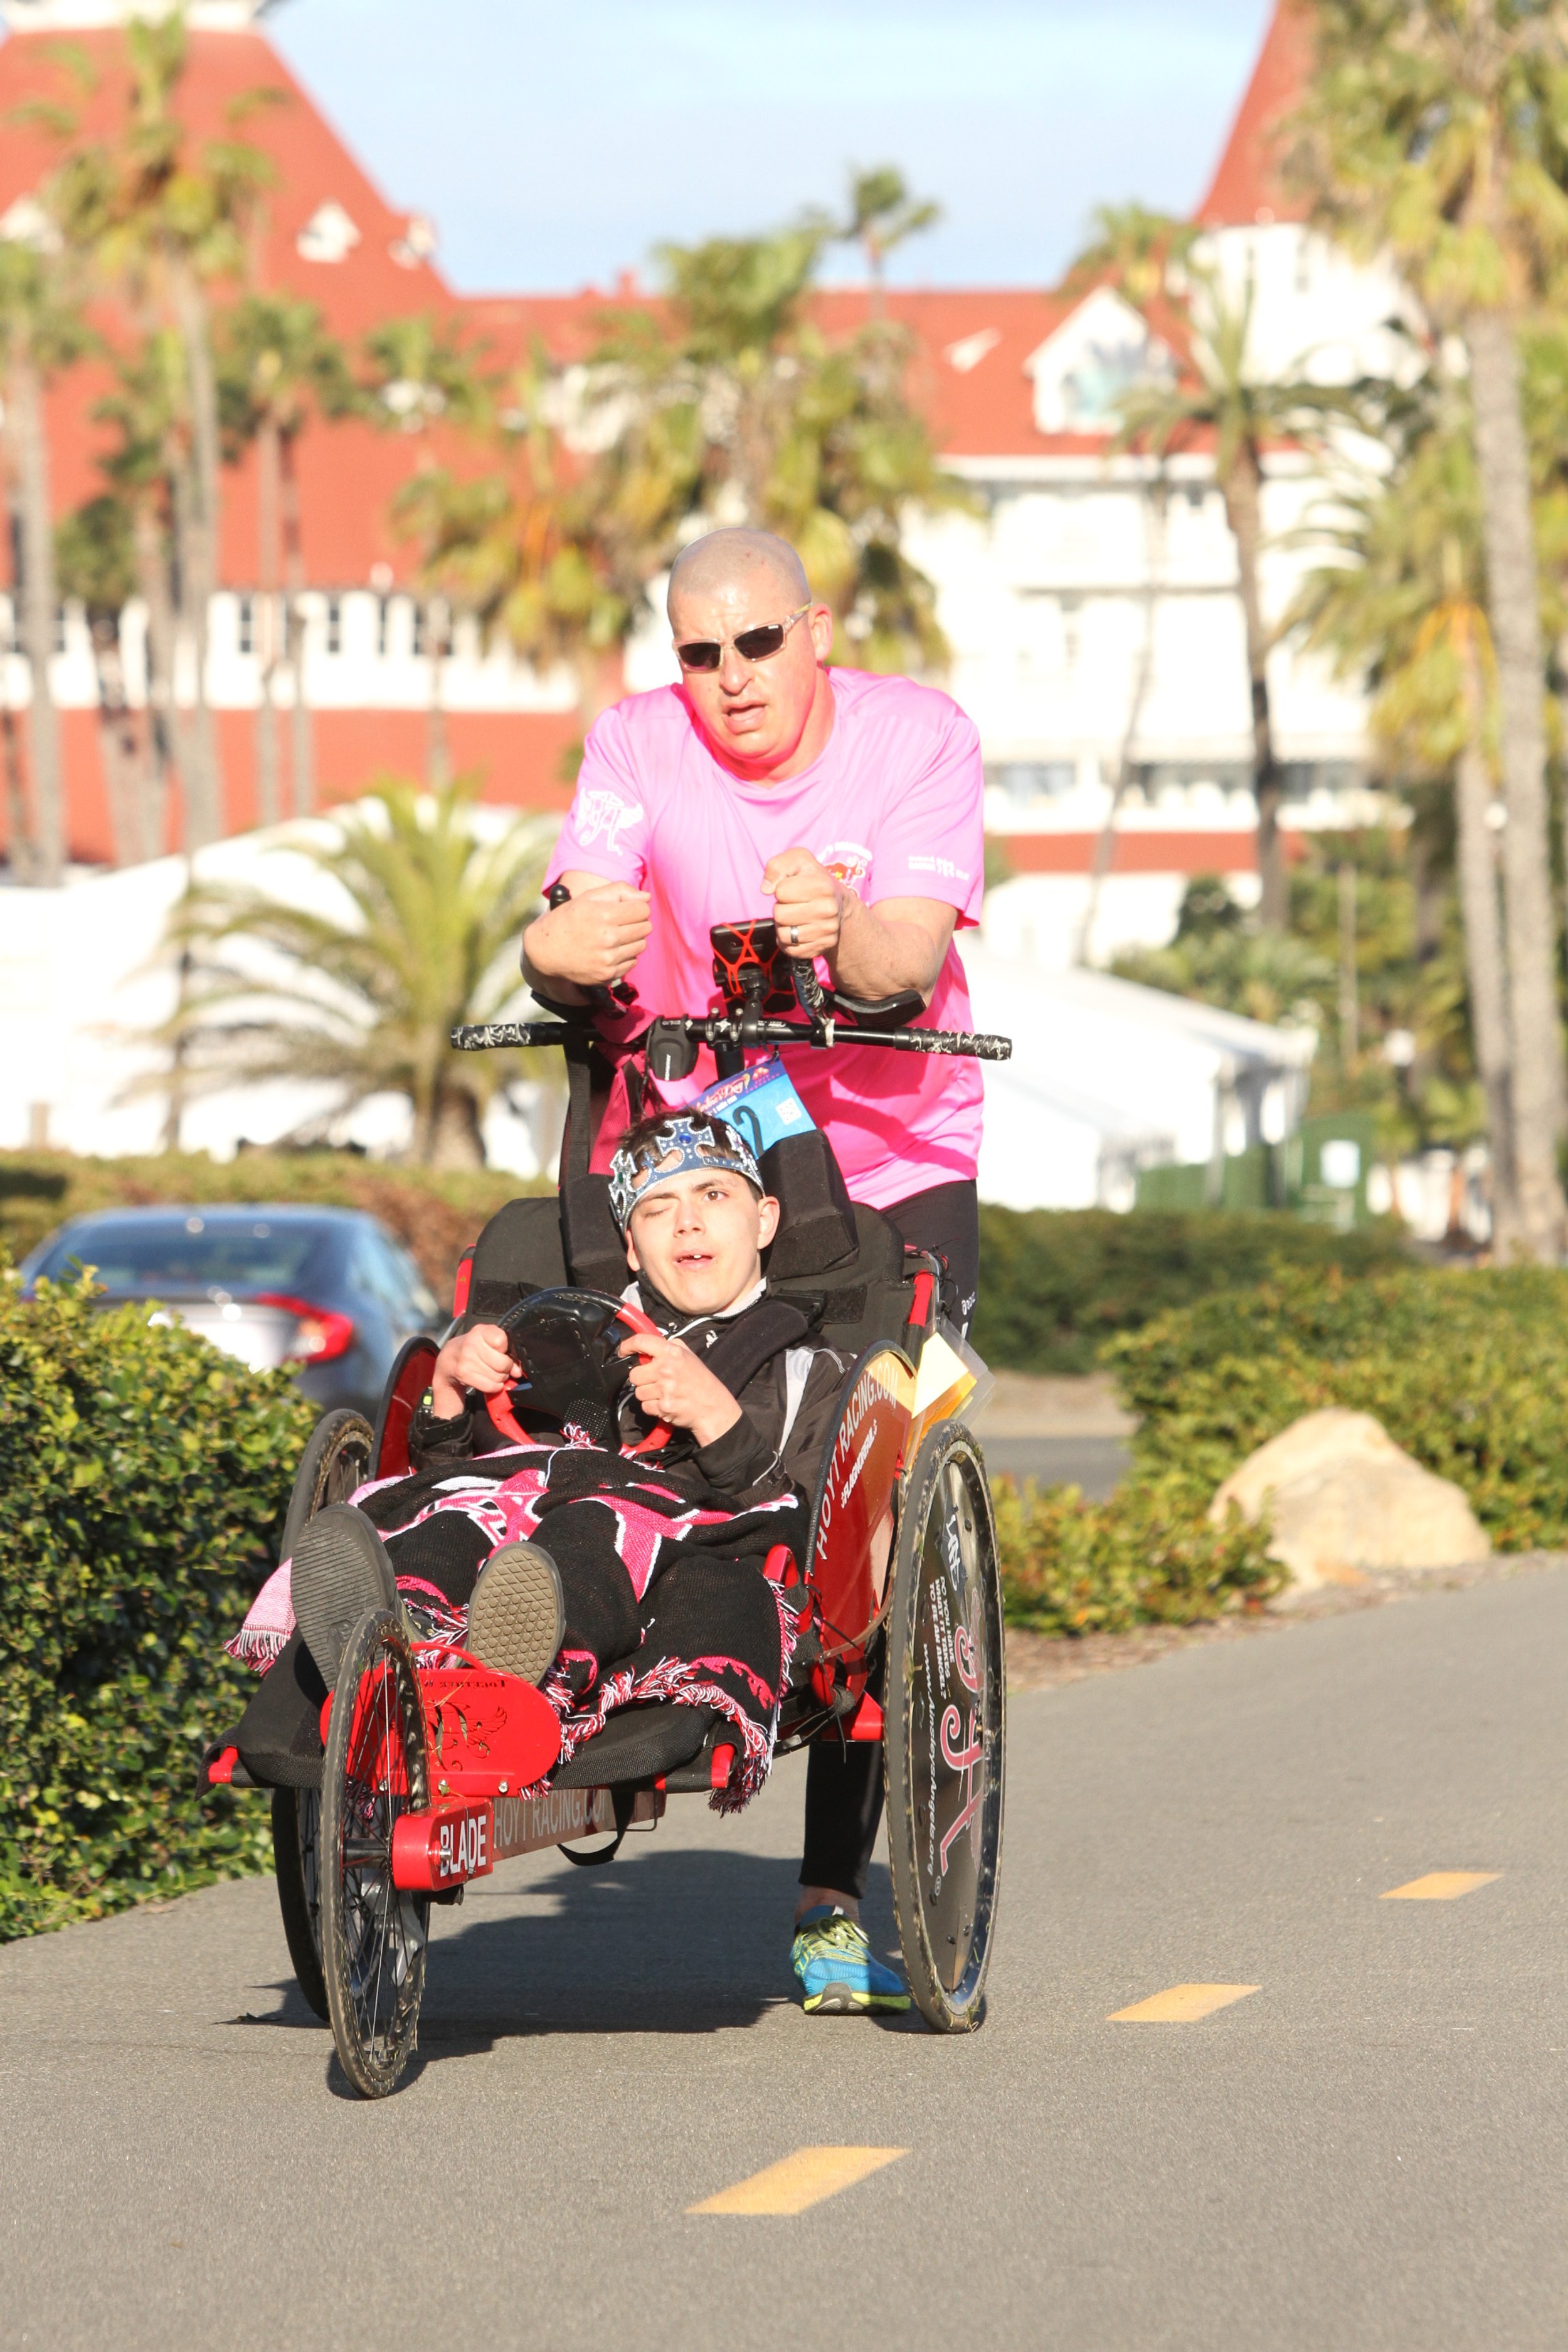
x: 1345, y: 1501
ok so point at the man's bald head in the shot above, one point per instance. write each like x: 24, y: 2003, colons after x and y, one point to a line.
x: 725, y: 559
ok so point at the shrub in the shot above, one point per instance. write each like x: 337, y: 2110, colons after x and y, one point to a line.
x: 1148, y: 1555
x: 143, y: 1479
x: 434, y: 1216
x: 1055, y: 1284
x: 1468, y: 1372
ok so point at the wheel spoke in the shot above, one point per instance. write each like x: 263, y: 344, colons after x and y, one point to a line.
x: 375, y: 1769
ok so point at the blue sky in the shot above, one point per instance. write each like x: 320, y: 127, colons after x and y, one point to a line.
x: 555, y: 141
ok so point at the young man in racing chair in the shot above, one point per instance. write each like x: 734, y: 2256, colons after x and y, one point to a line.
x: 646, y: 1581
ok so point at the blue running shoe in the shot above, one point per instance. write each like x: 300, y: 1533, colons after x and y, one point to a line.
x: 840, y: 1974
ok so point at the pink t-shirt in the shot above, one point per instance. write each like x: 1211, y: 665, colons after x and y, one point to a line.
x: 893, y: 807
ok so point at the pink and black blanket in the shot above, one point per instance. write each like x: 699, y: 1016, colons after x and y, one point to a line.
x: 666, y: 1598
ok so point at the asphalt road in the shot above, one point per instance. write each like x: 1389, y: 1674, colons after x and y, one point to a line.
x: 1098, y: 1465
x: 1369, y: 2150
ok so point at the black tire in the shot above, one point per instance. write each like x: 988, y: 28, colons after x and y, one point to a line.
x: 946, y: 1689
x: 336, y: 1461
x: 372, y: 1937
x: 296, y: 1832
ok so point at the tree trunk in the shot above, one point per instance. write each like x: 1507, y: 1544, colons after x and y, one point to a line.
x: 19, y: 843
x: 1477, y: 846
x: 1513, y: 603
x: 153, y: 576
x: 40, y: 607
x: 198, y: 521
x: 269, y: 530
x: 294, y: 626
x: 437, y: 644
x: 452, y: 1137
x: 1243, y: 492
x: 1350, y: 992
x: 1155, y: 514
x: 118, y: 747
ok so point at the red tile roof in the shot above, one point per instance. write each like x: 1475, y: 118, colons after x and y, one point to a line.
x: 1248, y: 185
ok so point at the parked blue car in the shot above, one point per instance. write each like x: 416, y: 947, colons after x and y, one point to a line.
x: 326, y: 1292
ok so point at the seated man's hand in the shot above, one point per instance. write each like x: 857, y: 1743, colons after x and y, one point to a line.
x: 593, y: 937
x: 477, y: 1358
x: 673, y: 1385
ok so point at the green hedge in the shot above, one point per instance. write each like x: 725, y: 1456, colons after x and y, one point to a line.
x: 1055, y: 1284
x: 1148, y: 1556
x: 143, y: 1480
x: 1468, y: 1372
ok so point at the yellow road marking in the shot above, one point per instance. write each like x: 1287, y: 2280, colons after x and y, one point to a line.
x: 799, y: 2180
x: 1181, y: 2004
x: 1440, y: 1886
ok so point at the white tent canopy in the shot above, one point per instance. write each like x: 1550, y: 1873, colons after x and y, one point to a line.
x: 1107, y: 1078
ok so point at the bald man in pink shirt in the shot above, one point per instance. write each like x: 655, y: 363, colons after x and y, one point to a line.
x: 849, y: 807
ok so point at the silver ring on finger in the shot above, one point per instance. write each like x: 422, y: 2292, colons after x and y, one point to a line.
x: 795, y: 935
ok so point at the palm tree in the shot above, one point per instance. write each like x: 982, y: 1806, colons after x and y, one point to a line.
x: 1402, y: 606
x: 362, y: 1000
x: 421, y: 374
x: 1141, y: 254
x: 1435, y: 134
x: 143, y: 467
x: 164, y: 221
x: 882, y: 214
x: 1222, y: 399
x: 41, y: 331
x: 96, y: 551
x: 278, y: 367
x: 733, y: 405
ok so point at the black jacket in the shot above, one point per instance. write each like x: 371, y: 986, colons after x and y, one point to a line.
x: 784, y: 1378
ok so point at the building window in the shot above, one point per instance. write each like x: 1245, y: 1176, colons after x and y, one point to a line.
x: 420, y: 629
x: 246, y: 624
x: 1030, y: 783
x: 383, y: 627
x: 1197, y: 495
x: 59, y: 628
x: 334, y: 624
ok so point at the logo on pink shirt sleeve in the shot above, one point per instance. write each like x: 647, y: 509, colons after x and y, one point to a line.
x: 848, y: 861
x: 605, y: 813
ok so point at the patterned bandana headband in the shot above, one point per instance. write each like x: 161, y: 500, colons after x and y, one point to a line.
x: 676, y: 1145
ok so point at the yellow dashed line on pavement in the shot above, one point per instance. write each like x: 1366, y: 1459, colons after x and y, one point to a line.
x: 1440, y: 1886
x: 799, y: 2180
x: 1181, y: 2004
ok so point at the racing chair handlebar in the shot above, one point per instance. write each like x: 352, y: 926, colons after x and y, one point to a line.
x: 762, y: 985
x: 739, y: 1029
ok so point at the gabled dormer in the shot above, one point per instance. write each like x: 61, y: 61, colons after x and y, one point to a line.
x: 1086, y: 367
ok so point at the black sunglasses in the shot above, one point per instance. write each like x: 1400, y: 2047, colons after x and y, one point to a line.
x: 752, y: 644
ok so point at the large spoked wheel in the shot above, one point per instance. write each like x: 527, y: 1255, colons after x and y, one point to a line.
x: 296, y: 1849
x: 373, y: 1937
x: 336, y: 1461
x: 945, y: 1729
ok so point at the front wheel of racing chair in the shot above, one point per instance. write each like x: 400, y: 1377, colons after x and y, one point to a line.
x: 945, y: 1729
x: 334, y: 1462
x: 373, y: 1935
